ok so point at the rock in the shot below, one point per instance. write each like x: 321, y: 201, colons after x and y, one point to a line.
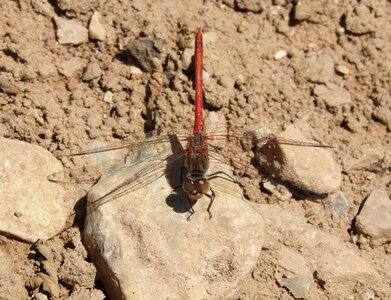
x: 383, y: 114
x: 96, y: 30
x: 292, y: 261
x: 374, y: 219
x: 320, y: 68
x: 360, y: 20
x: 333, y: 262
x: 187, y: 58
x: 89, y: 294
x: 280, y: 54
x: 306, y: 10
x: 333, y: 95
x: 341, y: 69
x: 143, y: 245
x: 299, y: 286
x: 108, y: 97
x: 339, y: 204
x: 92, y: 71
x: 250, y: 5
x: 310, y: 169
x: 8, y: 86
x: 26, y: 191
x: 70, y: 31
x: 46, y: 68
x: 71, y: 66
x: 147, y: 52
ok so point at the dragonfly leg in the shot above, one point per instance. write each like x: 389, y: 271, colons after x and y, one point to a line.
x: 212, y: 198
x: 219, y: 174
x: 191, y: 209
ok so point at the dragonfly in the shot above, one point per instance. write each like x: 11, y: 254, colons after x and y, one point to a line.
x: 196, y: 154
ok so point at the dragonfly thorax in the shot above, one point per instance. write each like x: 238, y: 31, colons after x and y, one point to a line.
x: 195, y: 188
x: 197, y: 156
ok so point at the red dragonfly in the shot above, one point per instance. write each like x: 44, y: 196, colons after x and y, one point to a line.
x: 196, y: 154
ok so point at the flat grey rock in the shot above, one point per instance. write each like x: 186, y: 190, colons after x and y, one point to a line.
x: 31, y: 207
x: 143, y: 246
x: 374, y: 219
x: 70, y: 31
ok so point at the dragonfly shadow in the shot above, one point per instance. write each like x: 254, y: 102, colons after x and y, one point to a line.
x: 175, y: 173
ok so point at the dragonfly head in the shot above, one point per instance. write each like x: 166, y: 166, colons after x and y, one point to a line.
x: 195, y: 188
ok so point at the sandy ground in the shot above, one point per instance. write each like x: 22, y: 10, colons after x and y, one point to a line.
x: 344, y: 44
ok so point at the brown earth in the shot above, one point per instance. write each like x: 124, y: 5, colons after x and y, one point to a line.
x: 334, y: 43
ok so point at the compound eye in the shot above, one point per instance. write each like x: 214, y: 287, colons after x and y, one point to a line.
x: 202, y: 186
x: 195, y: 189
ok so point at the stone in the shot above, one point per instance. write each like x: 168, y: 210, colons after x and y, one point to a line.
x: 250, y: 5
x: 292, y: 261
x: 320, y: 68
x: 8, y: 86
x: 142, y: 244
x: 92, y: 71
x: 374, y: 219
x: 333, y: 262
x: 338, y: 204
x: 342, y: 69
x: 96, y: 30
x: 307, y: 168
x: 83, y: 293
x: 26, y: 191
x: 70, y: 31
x: 71, y: 66
x: 108, y: 97
x: 280, y: 54
x: 147, y: 52
x: 333, y: 95
x: 299, y: 286
x: 307, y: 10
x: 46, y: 68
x: 187, y: 58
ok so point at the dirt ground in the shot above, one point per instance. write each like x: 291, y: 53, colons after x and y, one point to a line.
x: 344, y: 44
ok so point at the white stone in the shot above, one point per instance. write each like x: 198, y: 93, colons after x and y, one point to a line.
x: 96, y: 30
x: 144, y: 247
x: 108, y: 97
x: 280, y: 54
x: 32, y: 208
x: 70, y: 31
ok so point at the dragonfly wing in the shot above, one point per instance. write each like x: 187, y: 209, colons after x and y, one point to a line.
x: 128, y: 178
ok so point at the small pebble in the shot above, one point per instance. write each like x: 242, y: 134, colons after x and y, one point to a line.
x: 136, y: 71
x: 242, y: 26
x: 299, y: 286
x: 339, y: 204
x: 8, y: 87
x: 280, y: 54
x: 70, y: 31
x: 108, y: 97
x: 205, y: 75
x: 92, y: 71
x: 96, y: 30
x: 341, y: 69
x: 70, y: 66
